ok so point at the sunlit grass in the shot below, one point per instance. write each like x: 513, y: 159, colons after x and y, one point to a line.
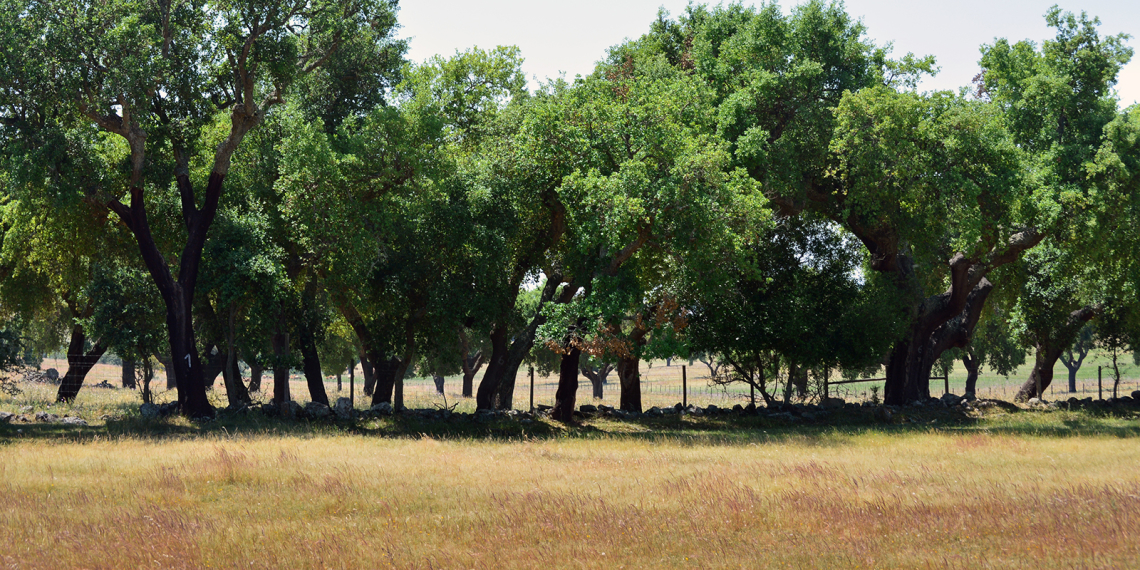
x: 824, y: 498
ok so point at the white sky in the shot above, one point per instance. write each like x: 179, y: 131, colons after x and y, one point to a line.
x: 570, y: 36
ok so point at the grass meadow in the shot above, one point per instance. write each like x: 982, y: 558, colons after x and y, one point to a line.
x: 1000, y: 488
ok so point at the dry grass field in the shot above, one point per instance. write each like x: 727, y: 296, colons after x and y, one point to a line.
x: 1026, y: 490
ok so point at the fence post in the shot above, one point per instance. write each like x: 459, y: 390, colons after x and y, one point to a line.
x: 946, y: 380
x: 532, y: 389
x: 1099, y: 385
x: 752, y: 391
x: 684, y: 388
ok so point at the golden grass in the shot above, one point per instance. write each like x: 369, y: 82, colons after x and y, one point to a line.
x: 829, y: 499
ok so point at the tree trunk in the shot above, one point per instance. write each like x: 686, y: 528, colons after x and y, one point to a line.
x: 281, y: 368
x: 910, y: 362
x: 630, y: 377
x: 597, y: 377
x: 970, y: 362
x: 1050, y: 345
x: 470, y: 363
x: 369, y: 372
x: 129, y: 374
x: 168, y: 369
x: 439, y: 380
x: 384, y: 374
x: 1074, y: 365
x: 255, y: 371
x: 1042, y: 373
x: 215, y: 364
x: 79, y: 363
x: 312, y: 366
x: 338, y: 382
x: 236, y: 393
x: 567, y: 386
x: 497, y: 389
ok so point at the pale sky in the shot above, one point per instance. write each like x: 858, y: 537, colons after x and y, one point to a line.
x: 570, y: 36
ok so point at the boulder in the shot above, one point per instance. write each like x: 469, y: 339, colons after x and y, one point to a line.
x: 6, y: 417
x: 74, y: 421
x: 149, y: 411
x: 588, y: 409
x: 951, y: 399
x: 383, y: 409
x: 46, y: 417
x: 1136, y: 395
x: 832, y: 403
x: 343, y: 408
x: 52, y: 374
x: 738, y: 409
x: 317, y: 410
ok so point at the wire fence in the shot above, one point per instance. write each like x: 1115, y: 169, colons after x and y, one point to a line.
x: 661, y: 385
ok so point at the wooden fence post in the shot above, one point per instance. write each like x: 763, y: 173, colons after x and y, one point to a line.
x: 1099, y: 385
x: 684, y: 388
x: 532, y: 389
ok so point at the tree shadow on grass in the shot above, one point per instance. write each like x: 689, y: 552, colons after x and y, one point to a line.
x: 729, y: 430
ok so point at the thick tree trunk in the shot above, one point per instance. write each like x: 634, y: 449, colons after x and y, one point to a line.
x: 129, y: 374
x: 567, y: 386
x: 168, y: 369
x: 497, y: 389
x: 1042, y: 373
x: 910, y: 362
x: 384, y: 372
x: 970, y: 362
x: 439, y: 381
x: 597, y: 377
x: 79, y: 363
x: 630, y: 377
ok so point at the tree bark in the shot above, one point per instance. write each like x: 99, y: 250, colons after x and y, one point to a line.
x: 384, y: 373
x: 970, y: 362
x: 255, y: 371
x: 629, y: 375
x: 281, y: 367
x: 1050, y: 345
x: 79, y: 363
x: 129, y: 374
x: 471, y: 363
x: 369, y: 372
x: 492, y: 378
x: 439, y: 381
x: 312, y: 365
x: 567, y: 385
x: 215, y: 364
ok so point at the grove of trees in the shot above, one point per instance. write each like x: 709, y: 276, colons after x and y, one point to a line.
x: 204, y: 183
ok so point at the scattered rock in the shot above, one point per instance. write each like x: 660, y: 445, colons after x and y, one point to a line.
x: 1136, y: 395
x: 52, y: 374
x: 951, y: 399
x: 654, y: 412
x: 73, y: 421
x: 103, y: 384
x: 588, y: 409
x: 317, y: 410
x: 292, y: 409
x: 831, y: 403
x: 343, y: 408
x: 383, y: 409
x: 882, y: 414
x: 46, y: 417
x: 739, y: 409
x: 6, y: 417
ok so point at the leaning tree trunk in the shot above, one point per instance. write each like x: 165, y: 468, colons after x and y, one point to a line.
x: 567, y: 385
x: 496, y: 365
x: 312, y: 365
x: 129, y: 374
x: 1050, y: 346
x: 236, y: 394
x: 79, y: 363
